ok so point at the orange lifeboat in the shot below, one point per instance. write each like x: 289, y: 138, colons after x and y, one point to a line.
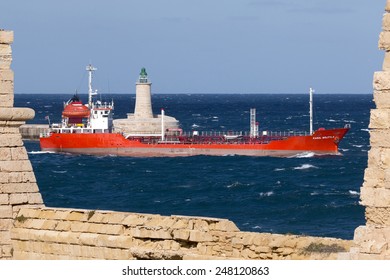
x: 75, y: 110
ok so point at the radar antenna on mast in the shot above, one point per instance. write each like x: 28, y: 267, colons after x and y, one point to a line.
x: 91, y: 93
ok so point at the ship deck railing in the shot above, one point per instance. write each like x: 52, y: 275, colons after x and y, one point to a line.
x: 213, y: 137
x: 246, y: 133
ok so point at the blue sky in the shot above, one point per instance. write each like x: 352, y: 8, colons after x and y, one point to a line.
x: 195, y: 46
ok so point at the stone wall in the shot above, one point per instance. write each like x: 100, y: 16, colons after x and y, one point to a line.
x: 373, y: 239
x: 18, y: 186
x: 52, y: 233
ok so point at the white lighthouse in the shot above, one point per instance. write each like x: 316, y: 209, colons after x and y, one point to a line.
x: 143, y: 122
x: 143, y: 101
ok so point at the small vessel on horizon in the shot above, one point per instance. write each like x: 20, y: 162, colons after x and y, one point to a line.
x: 90, y: 129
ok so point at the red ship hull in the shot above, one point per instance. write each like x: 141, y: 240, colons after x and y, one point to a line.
x: 321, y: 142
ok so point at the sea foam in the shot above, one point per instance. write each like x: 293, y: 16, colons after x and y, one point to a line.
x: 305, y: 166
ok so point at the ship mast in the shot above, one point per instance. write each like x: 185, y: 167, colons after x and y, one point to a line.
x: 311, y: 110
x: 90, y: 69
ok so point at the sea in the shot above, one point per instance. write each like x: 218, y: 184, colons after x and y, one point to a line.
x: 305, y: 194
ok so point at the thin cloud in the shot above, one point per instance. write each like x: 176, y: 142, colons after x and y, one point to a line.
x: 322, y: 10
x: 302, y: 7
x: 269, y: 3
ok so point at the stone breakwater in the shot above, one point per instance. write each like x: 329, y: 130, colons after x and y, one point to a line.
x: 50, y: 233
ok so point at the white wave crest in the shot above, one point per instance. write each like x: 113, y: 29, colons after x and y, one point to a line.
x: 305, y: 166
x: 236, y: 184
x: 304, y: 155
x: 263, y: 194
x: 59, y: 171
x: 357, y: 146
x: 40, y: 152
x: 279, y: 169
x: 353, y: 192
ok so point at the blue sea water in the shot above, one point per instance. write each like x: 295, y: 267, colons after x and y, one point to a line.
x: 305, y: 194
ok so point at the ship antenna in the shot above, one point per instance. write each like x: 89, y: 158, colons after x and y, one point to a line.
x: 162, y: 125
x: 311, y: 110
x: 90, y: 69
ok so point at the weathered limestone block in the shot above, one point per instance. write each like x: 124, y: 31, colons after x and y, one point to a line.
x: 6, y: 212
x: 9, y: 130
x: 378, y: 216
x: 384, y: 40
x: 6, y: 87
x: 6, y: 101
x: 63, y: 226
x: 90, y: 239
x: 201, y: 225
x: 227, y: 226
x: 15, y: 166
x: 18, y: 198
x: 379, y: 138
x: 29, y: 213
x: 77, y: 226
x: 16, y: 114
x: 5, y: 154
x: 380, y: 118
x: 375, y: 197
x: 167, y: 222
x: 387, y: 8
x: 18, y: 188
x: 144, y: 233
x: 386, y: 22
x: 114, y: 241
x: 112, y: 217
x: 106, y: 229
x: 69, y: 238
x: 5, y: 61
x: 6, y: 224
x: 34, y: 198
x: 158, y: 222
x: 181, y: 234
x: 47, y: 214
x: 381, y: 80
x: 134, y: 220
x: 4, y: 200
x: 180, y: 224
x: 11, y: 140
x: 374, y: 173
x: 372, y: 240
x: 386, y: 62
x: 6, y: 37
x: 198, y: 236
x: 5, y: 49
x: 374, y: 156
x: 77, y: 216
x: 6, y: 75
x: 384, y: 156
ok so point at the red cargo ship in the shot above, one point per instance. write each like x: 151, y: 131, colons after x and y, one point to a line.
x: 87, y: 129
